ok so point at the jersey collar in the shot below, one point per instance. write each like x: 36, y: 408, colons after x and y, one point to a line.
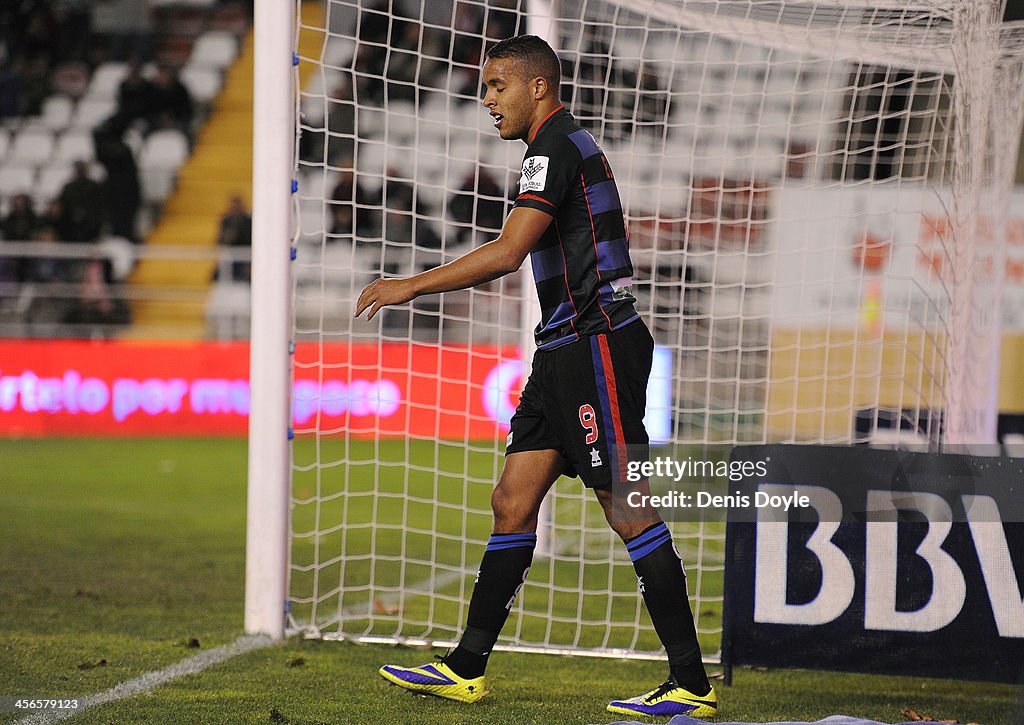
x: 545, y: 122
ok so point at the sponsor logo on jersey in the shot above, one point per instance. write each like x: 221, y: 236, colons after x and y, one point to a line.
x: 535, y: 174
x: 623, y: 288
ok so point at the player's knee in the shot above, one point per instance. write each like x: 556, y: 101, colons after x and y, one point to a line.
x: 510, y: 513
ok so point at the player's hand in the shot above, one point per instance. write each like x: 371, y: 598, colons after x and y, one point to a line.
x: 383, y: 292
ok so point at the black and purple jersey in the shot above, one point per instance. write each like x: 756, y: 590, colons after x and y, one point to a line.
x: 581, y: 263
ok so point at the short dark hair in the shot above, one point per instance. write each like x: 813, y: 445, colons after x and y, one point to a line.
x: 534, y: 53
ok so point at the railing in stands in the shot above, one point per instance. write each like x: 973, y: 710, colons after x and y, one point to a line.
x: 84, y: 290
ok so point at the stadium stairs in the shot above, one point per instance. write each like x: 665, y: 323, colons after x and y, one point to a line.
x: 220, y: 167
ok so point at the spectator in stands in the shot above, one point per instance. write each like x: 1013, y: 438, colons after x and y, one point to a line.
x: 82, y: 206
x: 121, y: 187
x: 134, y: 97
x: 38, y: 36
x: 353, y: 205
x: 12, y: 88
x: 21, y: 220
x: 18, y: 226
x: 74, y: 29
x: 478, y: 207
x: 405, y: 218
x: 368, y: 64
x: 235, y: 232
x: 170, y: 102
x: 97, y: 304
x: 341, y: 121
x: 502, y: 20
x: 467, y: 43
x: 652, y: 102
x: 374, y: 22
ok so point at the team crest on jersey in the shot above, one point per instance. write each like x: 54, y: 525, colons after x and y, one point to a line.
x: 535, y: 174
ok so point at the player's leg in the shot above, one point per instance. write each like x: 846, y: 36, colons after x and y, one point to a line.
x: 516, y: 499
x: 603, y: 400
x: 662, y: 582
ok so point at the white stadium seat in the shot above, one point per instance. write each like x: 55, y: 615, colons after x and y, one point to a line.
x: 16, y: 179
x: 32, y: 145
x: 106, y: 80
x: 163, y: 153
x: 91, y: 112
x: 57, y: 111
x: 52, y: 179
x: 214, y: 49
x: 203, y: 83
x: 164, y: 149
x: 75, y: 145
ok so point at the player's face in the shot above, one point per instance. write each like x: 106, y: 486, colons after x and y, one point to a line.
x: 507, y: 98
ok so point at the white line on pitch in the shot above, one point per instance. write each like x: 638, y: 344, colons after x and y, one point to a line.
x: 157, y: 678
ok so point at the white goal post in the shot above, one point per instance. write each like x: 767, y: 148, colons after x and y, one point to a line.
x: 818, y: 197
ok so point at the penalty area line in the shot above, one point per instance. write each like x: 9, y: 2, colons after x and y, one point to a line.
x: 157, y: 678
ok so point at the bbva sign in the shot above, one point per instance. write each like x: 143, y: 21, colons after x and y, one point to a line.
x: 900, y: 559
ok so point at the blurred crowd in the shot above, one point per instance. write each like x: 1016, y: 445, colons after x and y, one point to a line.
x: 51, y: 48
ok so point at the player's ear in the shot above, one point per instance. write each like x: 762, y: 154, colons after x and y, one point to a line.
x: 540, y: 87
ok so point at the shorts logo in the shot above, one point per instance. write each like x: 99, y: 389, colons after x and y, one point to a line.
x: 595, y: 458
x: 588, y: 419
x: 508, y: 440
x: 535, y: 174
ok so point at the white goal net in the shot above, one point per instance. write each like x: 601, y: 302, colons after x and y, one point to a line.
x: 816, y: 194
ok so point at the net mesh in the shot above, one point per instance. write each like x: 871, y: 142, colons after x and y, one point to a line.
x: 817, y: 216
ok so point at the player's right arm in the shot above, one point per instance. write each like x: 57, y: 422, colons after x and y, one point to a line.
x: 522, y: 230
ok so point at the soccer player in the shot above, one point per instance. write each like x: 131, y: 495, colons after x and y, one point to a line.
x: 584, y: 400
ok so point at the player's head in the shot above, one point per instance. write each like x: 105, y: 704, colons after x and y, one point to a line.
x: 520, y: 77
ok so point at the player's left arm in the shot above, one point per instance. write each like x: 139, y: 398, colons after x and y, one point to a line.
x: 522, y: 230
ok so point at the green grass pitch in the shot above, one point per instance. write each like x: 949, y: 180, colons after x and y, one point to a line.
x: 119, y: 557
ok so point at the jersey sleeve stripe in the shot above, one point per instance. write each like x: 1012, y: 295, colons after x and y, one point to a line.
x: 534, y: 197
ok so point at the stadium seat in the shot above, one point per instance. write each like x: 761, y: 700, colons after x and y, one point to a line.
x: 227, y: 309
x: 16, y: 179
x: 164, y: 149
x: 106, y: 80
x: 163, y: 152
x: 91, y: 112
x: 339, y: 51
x: 56, y: 112
x: 50, y: 182
x: 74, y: 145
x: 402, y: 123
x: 32, y: 145
x: 203, y: 83
x: 214, y: 49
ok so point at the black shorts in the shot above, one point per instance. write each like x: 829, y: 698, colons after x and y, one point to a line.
x: 586, y: 400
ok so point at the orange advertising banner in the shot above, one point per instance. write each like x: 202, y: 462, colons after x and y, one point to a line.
x: 96, y: 388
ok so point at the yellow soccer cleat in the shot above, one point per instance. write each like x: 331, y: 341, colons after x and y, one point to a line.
x: 668, y: 699
x: 435, y: 679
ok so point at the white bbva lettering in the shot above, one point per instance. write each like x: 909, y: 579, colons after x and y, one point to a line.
x: 996, y: 565
x: 837, y: 580
x: 949, y: 590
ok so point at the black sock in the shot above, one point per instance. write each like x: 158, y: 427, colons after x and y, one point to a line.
x: 503, y: 570
x: 663, y: 585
